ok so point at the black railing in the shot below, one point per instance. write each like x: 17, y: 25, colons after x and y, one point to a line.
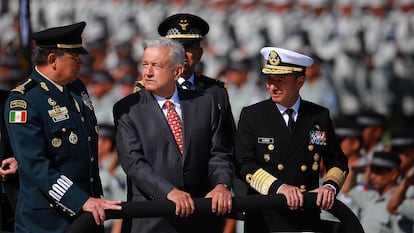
x: 349, y: 223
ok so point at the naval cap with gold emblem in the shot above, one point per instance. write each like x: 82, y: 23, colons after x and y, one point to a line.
x: 63, y: 37
x: 284, y: 62
x: 184, y: 27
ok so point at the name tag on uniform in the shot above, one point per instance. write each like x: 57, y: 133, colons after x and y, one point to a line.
x: 263, y: 140
x: 58, y: 114
x: 317, y: 137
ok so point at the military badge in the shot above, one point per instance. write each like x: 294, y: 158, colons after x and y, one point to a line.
x: 18, y: 116
x: 86, y: 100
x: 51, y: 102
x: 44, y: 86
x: 317, y: 137
x: 73, y: 138
x: 266, y: 157
x: 59, y: 113
x: 56, y: 142
x: 18, y: 104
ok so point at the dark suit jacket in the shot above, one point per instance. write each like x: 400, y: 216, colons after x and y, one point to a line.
x: 154, y: 166
x: 217, y: 89
x: 263, y: 141
x: 11, y: 185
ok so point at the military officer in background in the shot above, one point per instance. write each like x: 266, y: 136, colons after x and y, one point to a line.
x: 189, y: 30
x: 52, y: 116
x: 280, y: 145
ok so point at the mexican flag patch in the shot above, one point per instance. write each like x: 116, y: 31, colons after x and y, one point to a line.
x: 18, y: 116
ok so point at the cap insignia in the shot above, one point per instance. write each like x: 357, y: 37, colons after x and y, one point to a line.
x: 274, y: 58
x: 183, y: 24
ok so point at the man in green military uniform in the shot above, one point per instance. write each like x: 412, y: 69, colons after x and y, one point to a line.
x: 52, y: 116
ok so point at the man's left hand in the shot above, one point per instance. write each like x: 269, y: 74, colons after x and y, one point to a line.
x: 221, y: 202
x: 325, y: 198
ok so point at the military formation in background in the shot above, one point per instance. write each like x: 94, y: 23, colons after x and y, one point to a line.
x: 363, y: 73
x: 365, y: 47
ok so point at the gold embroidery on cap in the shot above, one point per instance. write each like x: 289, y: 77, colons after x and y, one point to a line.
x: 274, y: 58
x: 183, y: 24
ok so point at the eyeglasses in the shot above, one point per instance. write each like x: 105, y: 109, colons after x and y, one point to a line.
x: 75, y: 57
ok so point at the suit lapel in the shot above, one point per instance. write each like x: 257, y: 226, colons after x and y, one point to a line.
x: 156, y: 114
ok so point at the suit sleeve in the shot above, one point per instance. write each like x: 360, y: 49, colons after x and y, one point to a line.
x: 131, y: 155
x: 220, y: 166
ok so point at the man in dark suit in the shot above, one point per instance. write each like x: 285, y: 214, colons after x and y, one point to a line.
x: 162, y: 163
x: 9, y: 183
x: 280, y: 145
x: 52, y: 130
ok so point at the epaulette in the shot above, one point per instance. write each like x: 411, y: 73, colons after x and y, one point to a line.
x: 138, y: 86
x: 205, y: 81
x: 25, y: 87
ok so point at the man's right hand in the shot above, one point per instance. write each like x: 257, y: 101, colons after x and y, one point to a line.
x: 184, y: 204
x: 97, y: 207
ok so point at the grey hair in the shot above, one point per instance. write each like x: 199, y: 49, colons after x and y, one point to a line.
x: 176, y: 49
x: 40, y: 54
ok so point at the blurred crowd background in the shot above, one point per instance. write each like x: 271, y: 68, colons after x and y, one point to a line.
x: 363, y: 49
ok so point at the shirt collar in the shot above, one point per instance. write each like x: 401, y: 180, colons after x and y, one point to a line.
x: 295, y: 106
x: 59, y: 87
x: 181, y: 79
x: 174, y: 99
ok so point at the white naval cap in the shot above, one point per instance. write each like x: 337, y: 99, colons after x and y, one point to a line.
x: 282, y: 61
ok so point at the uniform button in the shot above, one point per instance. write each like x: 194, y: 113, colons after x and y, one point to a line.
x: 83, y: 119
x: 92, y: 159
x: 91, y: 179
x: 280, y: 166
x: 89, y: 138
x: 316, y: 157
x: 63, y: 129
x: 271, y: 147
x: 310, y: 147
x: 51, y: 205
x: 303, y: 187
x: 303, y: 168
x: 315, y: 166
